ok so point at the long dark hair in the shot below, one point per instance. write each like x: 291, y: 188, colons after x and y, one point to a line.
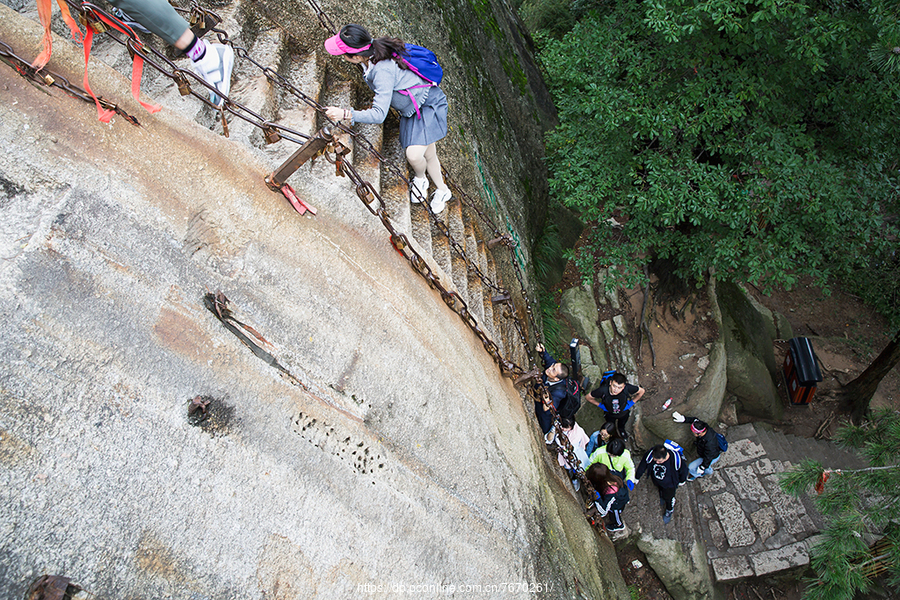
x: 382, y: 48
x: 602, y: 478
x: 612, y: 428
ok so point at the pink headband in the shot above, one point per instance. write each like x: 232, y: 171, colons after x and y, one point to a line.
x: 336, y: 46
x: 696, y: 429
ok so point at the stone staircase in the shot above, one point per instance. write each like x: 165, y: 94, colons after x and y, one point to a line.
x: 735, y: 523
x: 750, y: 526
x: 307, y: 67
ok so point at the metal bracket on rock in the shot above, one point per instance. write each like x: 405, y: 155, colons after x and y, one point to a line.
x: 504, y: 239
x: 313, y: 147
x: 202, y: 20
x: 532, y: 374
x: 51, y: 587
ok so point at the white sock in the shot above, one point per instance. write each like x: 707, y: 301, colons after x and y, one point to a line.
x: 197, y: 50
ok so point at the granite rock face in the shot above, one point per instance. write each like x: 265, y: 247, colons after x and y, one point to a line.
x: 386, y: 457
x: 751, y: 360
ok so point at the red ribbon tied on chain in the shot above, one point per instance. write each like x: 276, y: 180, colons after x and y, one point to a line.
x: 45, y: 9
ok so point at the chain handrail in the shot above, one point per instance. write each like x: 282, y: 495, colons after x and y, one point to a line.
x: 94, y: 16
x: 53, y: 79
x: 375, y: 204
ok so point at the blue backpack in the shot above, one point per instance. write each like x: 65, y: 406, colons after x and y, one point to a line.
x: 723, y: 443
x: 676, y: 450
x: 423, y: 63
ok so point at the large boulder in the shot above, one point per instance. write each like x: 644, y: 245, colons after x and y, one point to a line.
x: 682, y: 570
x: 748, y: 338
x: 579, y: 308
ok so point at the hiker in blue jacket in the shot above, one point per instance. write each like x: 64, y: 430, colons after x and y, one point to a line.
x: 554, y: 377
x: 705, y: 441
x: 421, y: 104
x: 667, y: 471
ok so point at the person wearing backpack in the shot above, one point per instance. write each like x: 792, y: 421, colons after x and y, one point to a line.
x: 706, y: 441
x: 611, y: 495
x: 617, y: 458
x: 667, y: 470
x: 555, y: 377
x: 400, y: 84
x: 615, y: 396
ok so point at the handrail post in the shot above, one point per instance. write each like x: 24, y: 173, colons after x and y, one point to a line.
x: 313, y: 147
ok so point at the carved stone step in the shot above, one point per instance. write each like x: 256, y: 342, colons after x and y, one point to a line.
x: 394, y: 190
x: 475, y: 297
x: 486, y: 265
x: 459, y: 271
x: 252, y: 89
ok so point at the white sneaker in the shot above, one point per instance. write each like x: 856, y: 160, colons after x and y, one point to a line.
x: 420, y: 185
x: 215, y: 68
x: 439, y: 201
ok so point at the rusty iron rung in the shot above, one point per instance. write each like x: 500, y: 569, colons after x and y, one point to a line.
x: 504, y: 239
x: 51, y: 587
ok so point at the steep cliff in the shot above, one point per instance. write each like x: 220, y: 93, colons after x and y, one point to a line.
x: 382, y: 456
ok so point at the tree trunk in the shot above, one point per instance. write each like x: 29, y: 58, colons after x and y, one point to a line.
x: 858, y: 393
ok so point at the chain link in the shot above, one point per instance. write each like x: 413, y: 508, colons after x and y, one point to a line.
x: 53, y: 79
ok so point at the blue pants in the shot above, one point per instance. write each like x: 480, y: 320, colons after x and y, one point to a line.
x: 694, y: 467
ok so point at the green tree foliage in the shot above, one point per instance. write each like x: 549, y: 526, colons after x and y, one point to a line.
x: 754, y: 138
x: 860, y: 506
